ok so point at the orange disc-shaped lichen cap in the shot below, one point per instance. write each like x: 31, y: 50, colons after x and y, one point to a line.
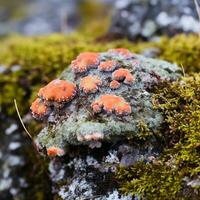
x: 123, y: 74
x: 122, y: 51
x: 58, y: 90
x: 114, y: 84
x: 107, y: 66
x: 84, y: 62
x: 111, y: 103
x: 89, y: 84
x: 38, y: 107
x: 55, y: 151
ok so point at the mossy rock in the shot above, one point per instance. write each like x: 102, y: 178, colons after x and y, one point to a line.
x: 175, y: 174
x: 77, y: 119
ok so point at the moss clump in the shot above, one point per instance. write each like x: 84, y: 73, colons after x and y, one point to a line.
x: 170, y: 176
x: 182, y: 49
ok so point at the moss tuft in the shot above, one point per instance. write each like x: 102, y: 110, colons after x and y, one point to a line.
x: 170, y: 175
x: 182, y: 49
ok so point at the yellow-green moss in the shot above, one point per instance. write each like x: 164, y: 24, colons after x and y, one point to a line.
x: 182, y: 49
x: 165, y: 177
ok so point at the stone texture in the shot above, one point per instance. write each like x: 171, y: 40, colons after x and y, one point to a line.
x: 150, y: 18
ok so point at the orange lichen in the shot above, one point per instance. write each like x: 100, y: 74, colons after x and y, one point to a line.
x: 58, y: 90
x: 123, y: 75
x: 84, y: 62
x: 89, y: 84
x: 122, y: 51
x: 111, y: 103
x: 90, y: 137
x: 55, y: 151
x: 114, y: 84
x: 38, y: 108
x: 107, y: 66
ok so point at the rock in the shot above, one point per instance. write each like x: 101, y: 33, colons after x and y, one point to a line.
x: 92, y: 129
x: 17, y: 161
x: 148, y: 19
x: 39, y: 17
x: 12, y: 160
x: 91, y: 174
x: 106, y: 114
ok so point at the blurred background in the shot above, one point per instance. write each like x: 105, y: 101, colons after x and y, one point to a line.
x: 33, y: 17
x: 130, y: 18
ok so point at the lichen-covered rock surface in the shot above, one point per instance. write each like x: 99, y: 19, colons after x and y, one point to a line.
x: 105, y: 114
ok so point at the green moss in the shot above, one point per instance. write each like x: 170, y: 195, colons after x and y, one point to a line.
x: 144, y: 132
x: 182, y: 49
x: 165, y: 177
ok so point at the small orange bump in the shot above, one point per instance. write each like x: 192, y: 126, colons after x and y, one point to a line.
x: 107, y: 66
x: 58, y: 91
x: 38, y: 108
x: 111, y: 103
x: 55, y: 151
x: 114, y: 84
x: 122, y: 51
x: 85, y: 61
x: 123, y: 74
x: 90, y: 84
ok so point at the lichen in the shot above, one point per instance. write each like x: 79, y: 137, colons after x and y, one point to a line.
x: 174, y: 174
x: 107, y: 114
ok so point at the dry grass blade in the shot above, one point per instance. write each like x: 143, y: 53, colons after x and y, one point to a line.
x: 183, y: 70
x: 16, y: 107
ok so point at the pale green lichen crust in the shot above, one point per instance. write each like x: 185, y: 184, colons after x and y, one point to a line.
x: 76, y: 121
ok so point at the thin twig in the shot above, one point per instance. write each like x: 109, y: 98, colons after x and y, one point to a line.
x: 16, y: 107
x: 198, y: 10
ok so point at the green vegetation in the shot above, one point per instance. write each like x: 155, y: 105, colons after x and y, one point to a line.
x: 170, y: 175
x: 182, y: 49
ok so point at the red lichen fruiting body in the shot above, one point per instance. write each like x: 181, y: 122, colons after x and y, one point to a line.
x: 114, y: 84
x: 122, y: 51
x: 123, y: 74
x: 38, y: 108
x: 58, y: 91
x: 84, y: 62
x: 90, y: 84
x: 107, y: 66
x: 111, y: 103
x: 55, y: 151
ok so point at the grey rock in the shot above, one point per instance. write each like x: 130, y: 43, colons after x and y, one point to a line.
x: 149, y: 18
x: 79, y: 120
